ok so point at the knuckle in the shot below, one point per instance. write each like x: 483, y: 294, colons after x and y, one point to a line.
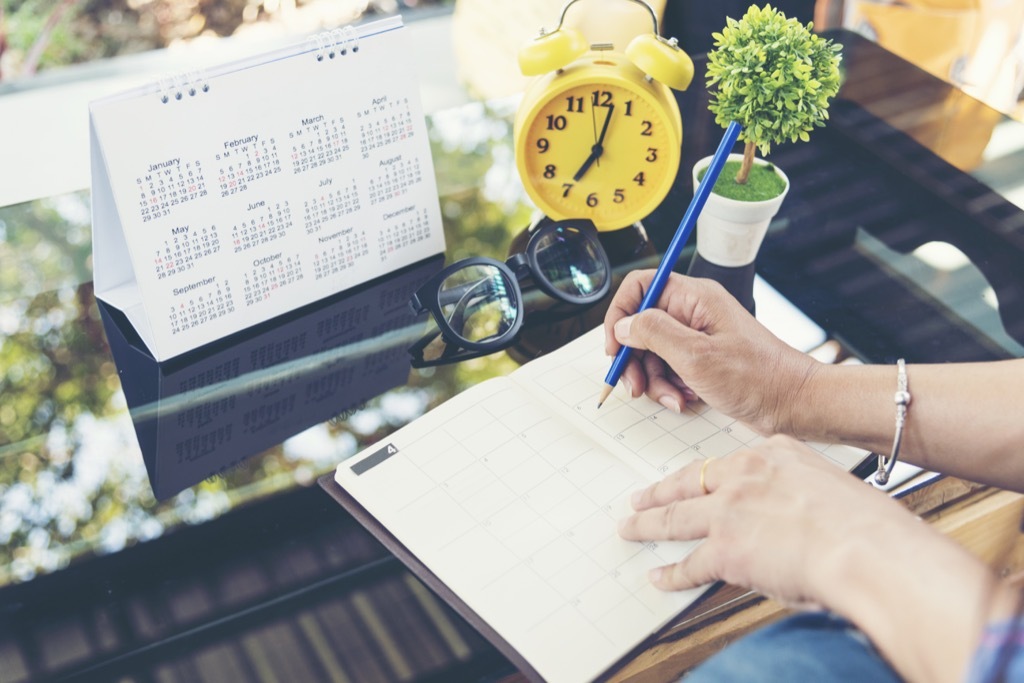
x: 725, y: 561
x: 677, y: 484
x: 749, y: 461
x: 672, y: 521
x: 731, y: 493
x: 655, y: 328
x: 679, y: 574
x: 636, y: 279
x: 701, y: 349
x: 712, y: 288
x: 646, y: 322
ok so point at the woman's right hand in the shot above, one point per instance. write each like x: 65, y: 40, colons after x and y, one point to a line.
x: 699, y: 342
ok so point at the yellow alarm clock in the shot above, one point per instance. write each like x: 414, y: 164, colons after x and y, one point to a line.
x: 599, y: 135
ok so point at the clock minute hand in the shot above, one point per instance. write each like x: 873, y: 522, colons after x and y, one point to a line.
x: 604, y: 131
x: 598, y: 149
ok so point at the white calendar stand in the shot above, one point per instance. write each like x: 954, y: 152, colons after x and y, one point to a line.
x: 225, y: 198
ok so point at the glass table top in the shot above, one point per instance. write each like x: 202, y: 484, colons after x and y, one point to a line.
x: 902, y: 236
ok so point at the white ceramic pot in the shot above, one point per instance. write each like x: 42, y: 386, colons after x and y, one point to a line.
x: 730, y: 232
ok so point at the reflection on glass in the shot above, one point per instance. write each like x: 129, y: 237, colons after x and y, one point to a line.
x: 209, y: 411
x: 478, y: 303
x: 72, y: 477
x: 572, y: 265
x: 960, y: 287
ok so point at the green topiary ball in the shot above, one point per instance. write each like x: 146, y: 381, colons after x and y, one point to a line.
x: 773, y: 76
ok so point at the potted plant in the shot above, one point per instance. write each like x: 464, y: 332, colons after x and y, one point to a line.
x: 774, y: 77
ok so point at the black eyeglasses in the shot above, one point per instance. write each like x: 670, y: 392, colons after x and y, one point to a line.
x: 477, y: 303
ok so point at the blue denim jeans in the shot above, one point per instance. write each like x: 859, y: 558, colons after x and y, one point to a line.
x: 807, y: 647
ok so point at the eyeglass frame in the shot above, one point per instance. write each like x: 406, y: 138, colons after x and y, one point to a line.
x: 516, y: 267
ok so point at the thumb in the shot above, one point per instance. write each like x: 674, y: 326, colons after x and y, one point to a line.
x: 657, y: 331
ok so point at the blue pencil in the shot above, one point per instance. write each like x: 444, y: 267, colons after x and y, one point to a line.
x: 675, y: 248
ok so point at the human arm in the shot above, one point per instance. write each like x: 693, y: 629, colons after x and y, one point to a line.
x: 784, y: 521
x: 962, y: 419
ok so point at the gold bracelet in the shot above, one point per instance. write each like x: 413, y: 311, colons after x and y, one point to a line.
x: 902, y: 400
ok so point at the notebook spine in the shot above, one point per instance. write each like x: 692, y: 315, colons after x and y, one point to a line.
x: 179, y: 86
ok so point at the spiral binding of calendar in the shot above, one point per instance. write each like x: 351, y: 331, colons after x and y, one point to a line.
x: 335, y: 43
x: 178, y: 86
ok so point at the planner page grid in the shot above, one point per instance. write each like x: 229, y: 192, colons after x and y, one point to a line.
x: 511, y: 492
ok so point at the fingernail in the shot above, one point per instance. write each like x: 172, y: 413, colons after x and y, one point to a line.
x: 655, y: 574
x: 690, y: 395
x: 622, y: 329
x: 635, y: 499
x: 670, y: 403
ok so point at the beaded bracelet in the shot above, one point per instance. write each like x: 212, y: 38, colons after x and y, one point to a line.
x: 902, y: 400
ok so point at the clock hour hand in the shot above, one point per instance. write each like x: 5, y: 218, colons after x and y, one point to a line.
x: 598, y: 149
x: 595, y: 152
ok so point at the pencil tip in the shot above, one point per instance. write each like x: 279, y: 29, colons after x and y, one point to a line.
x: 605, y: 391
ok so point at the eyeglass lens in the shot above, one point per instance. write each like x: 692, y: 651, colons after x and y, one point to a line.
x: 570, y: 262
x: 478, y: 303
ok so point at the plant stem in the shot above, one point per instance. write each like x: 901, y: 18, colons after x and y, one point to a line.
x: 748, y: 163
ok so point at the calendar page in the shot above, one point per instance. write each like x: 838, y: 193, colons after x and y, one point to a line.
x: 223, y: 199
x: 511, y: 492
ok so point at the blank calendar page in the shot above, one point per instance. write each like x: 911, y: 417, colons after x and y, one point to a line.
x: 511, y: 492
x: 640, y: 432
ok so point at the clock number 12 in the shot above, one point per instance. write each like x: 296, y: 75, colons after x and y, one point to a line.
x: 603, y: 98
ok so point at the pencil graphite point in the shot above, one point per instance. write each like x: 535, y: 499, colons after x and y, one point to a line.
x: 605, y: 391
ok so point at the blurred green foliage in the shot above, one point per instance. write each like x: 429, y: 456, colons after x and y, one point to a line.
x: 41, y: 34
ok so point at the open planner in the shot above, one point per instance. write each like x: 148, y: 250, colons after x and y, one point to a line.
x: 506, y: 499
x: 224, y: 198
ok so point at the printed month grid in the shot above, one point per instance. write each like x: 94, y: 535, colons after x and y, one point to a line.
x: 285, y: 180
x: 265, y: 219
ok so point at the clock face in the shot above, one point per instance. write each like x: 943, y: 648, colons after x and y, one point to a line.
x: 604, y: 151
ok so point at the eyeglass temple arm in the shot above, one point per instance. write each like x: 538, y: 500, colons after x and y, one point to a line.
x: 457, y: 319
x: 449, y: 353
x: 518, y: 264
x: 447, y: 297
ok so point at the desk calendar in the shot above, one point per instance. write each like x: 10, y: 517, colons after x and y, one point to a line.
x: 226, y: 198
x: 505, y: 500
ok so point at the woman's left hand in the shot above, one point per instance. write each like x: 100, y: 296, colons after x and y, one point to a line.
x: 775, y: 517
